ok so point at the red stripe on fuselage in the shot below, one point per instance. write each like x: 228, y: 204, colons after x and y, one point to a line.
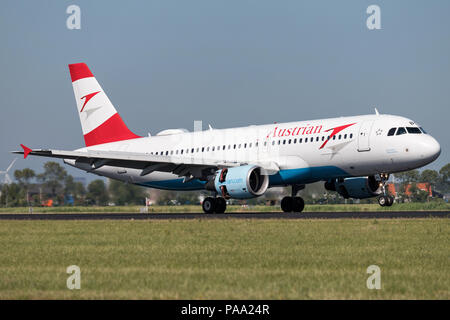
x: 79, y: 71
x: 112, y: 130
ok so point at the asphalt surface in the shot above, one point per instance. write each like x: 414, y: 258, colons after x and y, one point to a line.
x: 255, y: 215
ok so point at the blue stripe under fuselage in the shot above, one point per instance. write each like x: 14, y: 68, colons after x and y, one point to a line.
x: 283, y: 177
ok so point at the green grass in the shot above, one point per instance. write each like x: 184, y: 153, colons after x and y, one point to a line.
x: 225, y: 259
x: 427, y: 206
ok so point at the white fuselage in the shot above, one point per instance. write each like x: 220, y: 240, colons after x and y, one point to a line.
x: 357, y: 146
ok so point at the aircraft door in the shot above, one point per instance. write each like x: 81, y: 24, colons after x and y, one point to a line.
x: 364, y: 136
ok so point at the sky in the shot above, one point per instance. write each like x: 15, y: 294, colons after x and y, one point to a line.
x: 164, y: 64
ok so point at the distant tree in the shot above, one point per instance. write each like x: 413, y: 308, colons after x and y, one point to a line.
x: 12, y: 195
x: 24, y: 178
x: 53, y: 176
x: 445, y: 177
x: 430, y: 176
x: 97, y: 193
x: 445, y: 172
x: 126, y: 193
x: 76, y: 189
x: 408, y: 176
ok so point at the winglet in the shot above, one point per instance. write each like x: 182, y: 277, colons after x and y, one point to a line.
x: 26, y: 151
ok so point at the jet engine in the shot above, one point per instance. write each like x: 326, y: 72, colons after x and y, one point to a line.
x: 242, y: 182
x: 358, y: 188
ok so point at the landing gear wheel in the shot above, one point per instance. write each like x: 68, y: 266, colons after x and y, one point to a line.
x: 390, y: 201
x: 221, y: 205
x: 287, y: 204
x: 209, y: 205
x: 298, y: 204
x: 383, y: 200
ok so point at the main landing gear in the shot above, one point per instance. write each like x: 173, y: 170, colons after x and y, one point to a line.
x: 214, y: 205
x: 385, y: 200
x: 293, y: 203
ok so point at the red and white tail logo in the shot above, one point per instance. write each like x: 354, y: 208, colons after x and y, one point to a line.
x: 99, y: 119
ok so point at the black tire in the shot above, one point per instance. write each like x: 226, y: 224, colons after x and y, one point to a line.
x: 287, y: 204
x: 298, y: 204
x: 382, y: 201
x: 390, y: 201
x: 221, y: 205
x: 209, y: 205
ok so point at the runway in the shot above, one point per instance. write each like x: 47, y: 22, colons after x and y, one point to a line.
x: 254, y: 215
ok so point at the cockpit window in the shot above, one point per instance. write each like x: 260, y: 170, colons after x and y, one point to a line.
x: 423, y: 130
x: 414, y: 130
x: 391, y: 132
x: 401, y: 130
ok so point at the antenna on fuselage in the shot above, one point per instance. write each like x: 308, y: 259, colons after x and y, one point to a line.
x: 376, y: 112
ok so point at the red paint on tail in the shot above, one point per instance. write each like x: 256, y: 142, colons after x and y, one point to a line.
x: 79, y: 71
x: 112, y: 130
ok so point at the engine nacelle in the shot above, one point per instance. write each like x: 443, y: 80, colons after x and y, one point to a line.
x: 358, y: 188
x: 241, y: 182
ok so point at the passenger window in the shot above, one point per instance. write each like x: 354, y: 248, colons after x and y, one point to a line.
x: 351, y: 135
x: 400, y: 131
x: 413, y: 130
x: 295, y: 140
x: 300, y: 140
x: 391, y: 131
x: 345, y: 136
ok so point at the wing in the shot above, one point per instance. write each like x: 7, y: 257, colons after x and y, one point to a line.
x: 188, y: 167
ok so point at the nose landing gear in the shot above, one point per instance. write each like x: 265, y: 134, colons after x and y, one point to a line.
x: 385, y: 200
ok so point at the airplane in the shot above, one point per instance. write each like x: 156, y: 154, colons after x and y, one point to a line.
x: 353, y: 156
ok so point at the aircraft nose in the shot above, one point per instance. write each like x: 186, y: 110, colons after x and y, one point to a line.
x: 430, y: 149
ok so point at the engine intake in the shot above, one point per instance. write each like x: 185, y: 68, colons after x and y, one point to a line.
x: 241, y: 182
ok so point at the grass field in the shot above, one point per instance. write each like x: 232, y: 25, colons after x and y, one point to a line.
x: 225, y: 259
x: 428, y: 206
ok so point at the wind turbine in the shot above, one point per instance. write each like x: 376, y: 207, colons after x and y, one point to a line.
x: 7, y: 178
